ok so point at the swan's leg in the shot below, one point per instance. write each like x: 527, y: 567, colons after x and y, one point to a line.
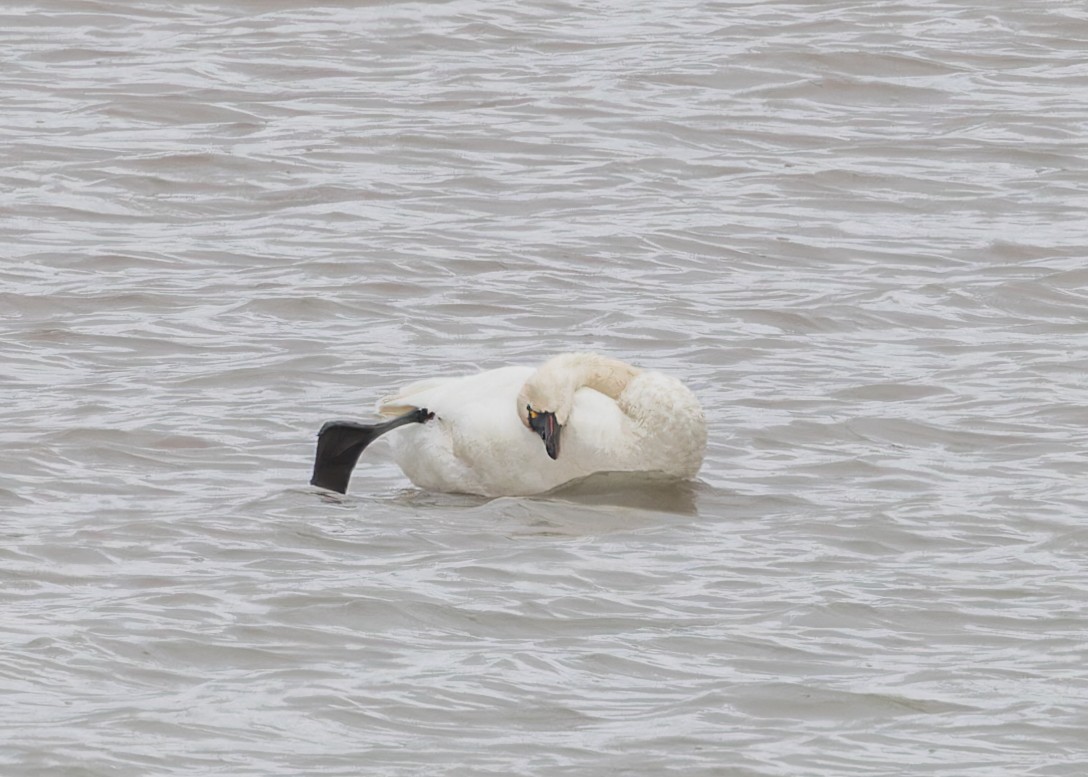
x: 339, y: 444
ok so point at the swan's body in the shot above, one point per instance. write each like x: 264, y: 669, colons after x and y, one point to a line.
x: 482, y: 433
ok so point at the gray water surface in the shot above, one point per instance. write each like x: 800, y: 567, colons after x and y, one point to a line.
x: 857, y: 230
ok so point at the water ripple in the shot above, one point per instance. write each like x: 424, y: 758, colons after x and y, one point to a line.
x: 856, y: 231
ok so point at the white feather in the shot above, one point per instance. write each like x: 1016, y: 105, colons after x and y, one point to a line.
x: 477, y: 443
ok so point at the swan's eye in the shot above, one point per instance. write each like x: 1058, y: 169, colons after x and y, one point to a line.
x: 532, y: 413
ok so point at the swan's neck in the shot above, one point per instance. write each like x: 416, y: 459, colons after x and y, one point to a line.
x: 552, y: 387
x: 600, y: 373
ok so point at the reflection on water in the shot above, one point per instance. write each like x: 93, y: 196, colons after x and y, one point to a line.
x: 641, y: 491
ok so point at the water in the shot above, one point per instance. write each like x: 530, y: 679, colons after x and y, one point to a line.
x: 856, y: 230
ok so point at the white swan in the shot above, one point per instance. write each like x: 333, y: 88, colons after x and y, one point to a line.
x: 525, y: 430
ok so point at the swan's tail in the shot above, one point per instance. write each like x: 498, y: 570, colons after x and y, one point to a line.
x: 407, y: 398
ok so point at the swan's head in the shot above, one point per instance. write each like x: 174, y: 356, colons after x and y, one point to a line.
x: 544, y: 405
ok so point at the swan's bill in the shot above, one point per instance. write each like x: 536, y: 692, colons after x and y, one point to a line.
x: 548, y: 428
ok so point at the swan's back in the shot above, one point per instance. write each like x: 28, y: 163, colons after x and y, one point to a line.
x: 453, y: 395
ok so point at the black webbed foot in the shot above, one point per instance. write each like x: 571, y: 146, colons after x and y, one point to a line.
x: 339, y: 444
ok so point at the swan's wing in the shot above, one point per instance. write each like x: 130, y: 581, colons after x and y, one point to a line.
x: 601, y: 436
x: 671, y: 421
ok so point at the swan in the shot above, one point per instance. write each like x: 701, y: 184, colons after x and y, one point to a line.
x: 516, y: 431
